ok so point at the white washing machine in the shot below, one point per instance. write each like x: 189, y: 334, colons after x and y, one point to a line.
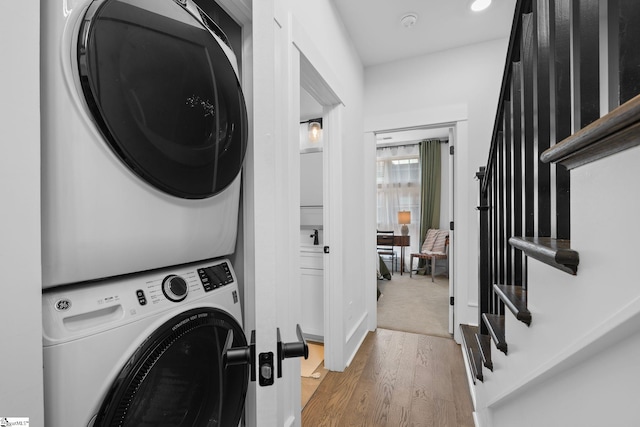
x: 145, y: 350
x: 144, y: 131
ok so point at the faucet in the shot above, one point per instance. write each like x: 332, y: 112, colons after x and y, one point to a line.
x: 315, y: 237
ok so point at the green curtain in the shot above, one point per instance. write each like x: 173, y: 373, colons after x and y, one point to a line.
x: 430, y: 188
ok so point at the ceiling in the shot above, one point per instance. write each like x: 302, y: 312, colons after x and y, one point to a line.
x: 379, y: 37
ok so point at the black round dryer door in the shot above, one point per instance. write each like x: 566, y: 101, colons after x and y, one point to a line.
x: 164, y: 93
x: 177, y: 378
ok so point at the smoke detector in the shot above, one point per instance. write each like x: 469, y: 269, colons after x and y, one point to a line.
x: 409, y: 20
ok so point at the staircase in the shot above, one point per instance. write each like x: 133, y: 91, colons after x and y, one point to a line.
x: 557, y: 341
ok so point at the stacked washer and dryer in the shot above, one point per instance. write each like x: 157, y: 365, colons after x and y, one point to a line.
x: 144, y: 132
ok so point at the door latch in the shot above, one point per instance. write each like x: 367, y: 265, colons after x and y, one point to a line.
x: 266, y: 369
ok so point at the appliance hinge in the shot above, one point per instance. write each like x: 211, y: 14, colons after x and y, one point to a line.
x: 451, y: 150
x: 451, y: 225
x: 451, y: 300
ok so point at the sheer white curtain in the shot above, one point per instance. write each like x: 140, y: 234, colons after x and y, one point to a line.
x: 398, y: 178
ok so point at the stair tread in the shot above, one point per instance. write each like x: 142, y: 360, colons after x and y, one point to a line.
x: 605, y: 136
x: 554, y: 252
x: 473, y: 352
x: 515, y: 298
x: 495, y: 324
x: 484, y: 344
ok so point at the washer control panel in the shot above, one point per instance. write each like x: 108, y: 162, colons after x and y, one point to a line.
x: 215, y: 276
x: 174, y: 288
x: 74, y: 311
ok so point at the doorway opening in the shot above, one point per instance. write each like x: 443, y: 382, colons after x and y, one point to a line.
x: 410, y: 299
x: 312, y: 241
x: 320, y: 220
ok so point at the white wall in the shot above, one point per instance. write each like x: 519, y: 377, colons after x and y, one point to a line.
x: 21, y: 390
x: 341, y: 67
x: 461, y: 86
x: 601, y: 391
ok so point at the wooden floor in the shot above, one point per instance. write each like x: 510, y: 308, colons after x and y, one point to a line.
x: 396, y: 379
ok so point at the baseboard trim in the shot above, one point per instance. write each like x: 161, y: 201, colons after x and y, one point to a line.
x: 476, y: 420
x: 291, y: 421
x: 351, y: 337
x: 356, y: 327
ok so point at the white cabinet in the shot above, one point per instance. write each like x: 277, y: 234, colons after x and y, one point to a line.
x: 312, y: 289
x: 311, y: 179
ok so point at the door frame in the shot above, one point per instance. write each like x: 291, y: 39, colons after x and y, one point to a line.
x: 371, y: 139
x: 452, y: 270
x: 455, y: 118
x: 308, y: 62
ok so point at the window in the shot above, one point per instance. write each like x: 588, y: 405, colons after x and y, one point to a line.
x: 398, y: 179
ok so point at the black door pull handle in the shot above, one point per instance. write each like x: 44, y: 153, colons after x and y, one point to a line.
x: 292, y: 349
x: 240, y: 355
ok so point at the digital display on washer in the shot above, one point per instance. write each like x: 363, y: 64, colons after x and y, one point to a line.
x: 215, y: 276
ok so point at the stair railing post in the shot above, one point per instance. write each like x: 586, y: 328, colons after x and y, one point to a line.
x: 484, y: 285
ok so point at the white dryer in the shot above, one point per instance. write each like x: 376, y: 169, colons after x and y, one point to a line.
x: 145, y: 350
x: 144, y: 132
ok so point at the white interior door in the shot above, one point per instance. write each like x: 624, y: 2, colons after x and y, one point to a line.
x: 273, y: 67
x: 279, y: 57
x: 271, y: 218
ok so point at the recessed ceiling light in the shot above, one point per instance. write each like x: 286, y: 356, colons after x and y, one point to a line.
x: 409, y: 20
x: 479, y: 5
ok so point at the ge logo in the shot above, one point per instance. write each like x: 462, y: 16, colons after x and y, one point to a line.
x: 63, y: 305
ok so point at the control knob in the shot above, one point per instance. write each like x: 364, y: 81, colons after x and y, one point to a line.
x: 174, y: 288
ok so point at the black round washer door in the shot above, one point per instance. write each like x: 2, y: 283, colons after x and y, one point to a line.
x: 164, y: 93
x: 176, y: 378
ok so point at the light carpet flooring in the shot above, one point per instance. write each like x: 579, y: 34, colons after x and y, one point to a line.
x: 414, y: 304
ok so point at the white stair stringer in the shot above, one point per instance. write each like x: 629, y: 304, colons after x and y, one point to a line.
x: 577, y: 364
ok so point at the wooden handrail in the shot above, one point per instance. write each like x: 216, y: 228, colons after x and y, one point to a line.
x: 512, y: 50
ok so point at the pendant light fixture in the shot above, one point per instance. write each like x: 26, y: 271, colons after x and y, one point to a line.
x: 315, y: 130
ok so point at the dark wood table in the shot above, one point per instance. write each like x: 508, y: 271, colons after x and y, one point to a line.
x: 401, y: 241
